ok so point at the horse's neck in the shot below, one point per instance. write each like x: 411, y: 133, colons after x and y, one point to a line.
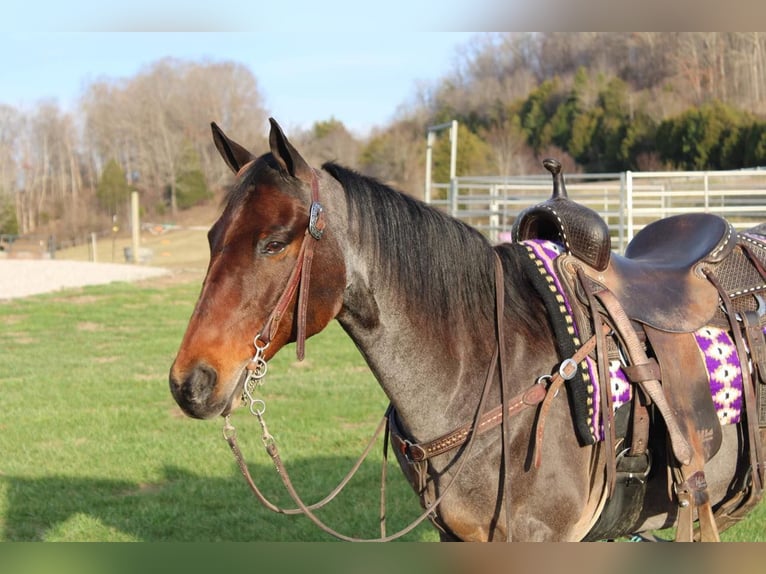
x: 432, y: 363
x: 419, y: 373
x: 432, y: 373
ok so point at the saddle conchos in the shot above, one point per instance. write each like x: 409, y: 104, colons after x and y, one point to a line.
x: 679, y: 276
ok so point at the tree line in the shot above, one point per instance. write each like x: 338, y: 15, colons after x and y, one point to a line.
x: 73, y: 171
x: 615, y: 133
x: 601, y: 102
x: 597, y: 101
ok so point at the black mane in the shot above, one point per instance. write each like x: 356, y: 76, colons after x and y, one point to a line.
x: 443, y: 266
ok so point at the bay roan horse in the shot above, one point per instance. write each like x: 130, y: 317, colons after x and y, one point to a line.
x: 416, y: 291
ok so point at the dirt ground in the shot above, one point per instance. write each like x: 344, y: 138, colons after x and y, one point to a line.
x: 177, y: 254
x: 23, y: 277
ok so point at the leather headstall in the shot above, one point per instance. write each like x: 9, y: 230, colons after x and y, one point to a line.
x: 299, y: 278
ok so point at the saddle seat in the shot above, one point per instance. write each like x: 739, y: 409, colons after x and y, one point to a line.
x: 660, y: 280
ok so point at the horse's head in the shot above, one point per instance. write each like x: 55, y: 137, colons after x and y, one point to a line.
x: 261, y: 251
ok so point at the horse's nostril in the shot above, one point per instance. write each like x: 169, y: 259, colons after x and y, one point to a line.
x: 193, y: 394
x: 200, y: 382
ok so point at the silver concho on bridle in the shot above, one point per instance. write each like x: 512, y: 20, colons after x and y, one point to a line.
x: 316, y: 210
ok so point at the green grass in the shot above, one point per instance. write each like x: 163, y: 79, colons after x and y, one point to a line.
x: 93, y: 447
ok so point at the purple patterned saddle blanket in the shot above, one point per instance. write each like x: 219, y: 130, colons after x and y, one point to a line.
x: 715, y: 345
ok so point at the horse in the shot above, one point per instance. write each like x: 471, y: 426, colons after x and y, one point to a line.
x: 458, y: 336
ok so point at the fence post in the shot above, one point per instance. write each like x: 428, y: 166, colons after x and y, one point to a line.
x: 93, y: 248
x: 429, y: 155
x: 453, y: 150
x: 429, y: 160
x: 627, y: 207
x: 134, y: 224
x: 453, y: 192
x: 494, y: 219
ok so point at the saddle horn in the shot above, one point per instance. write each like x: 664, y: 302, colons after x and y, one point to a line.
x: 554, y: 166
x: 580, y: 230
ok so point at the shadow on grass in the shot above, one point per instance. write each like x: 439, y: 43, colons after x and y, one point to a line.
x: 184, y: 507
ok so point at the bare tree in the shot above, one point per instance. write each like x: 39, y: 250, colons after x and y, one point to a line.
x: 148, y: 121
x: 49, y: 174
x: 511, y: 154
x: 747, y: 50
x: 397, y: 155
x: 329, y: 140
x: 10, y: 126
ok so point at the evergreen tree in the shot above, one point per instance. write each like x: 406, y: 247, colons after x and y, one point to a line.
x: 753, y: 145
x: 113, y: 191
x: 572, y: 109
x: 712, y: 136
x: 191, y: 187
x: 610, y: 146
x: 536, y: 113
x: 473, y: 155
x: 9, y: 225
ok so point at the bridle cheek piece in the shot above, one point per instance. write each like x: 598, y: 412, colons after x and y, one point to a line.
x: 298, y: 281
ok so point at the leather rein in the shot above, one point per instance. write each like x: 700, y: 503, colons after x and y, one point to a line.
x: 415, y: 453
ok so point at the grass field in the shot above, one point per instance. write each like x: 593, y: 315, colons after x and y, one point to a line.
x: 93, y: 448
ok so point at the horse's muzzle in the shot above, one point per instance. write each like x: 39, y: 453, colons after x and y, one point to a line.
x: 195, y: 392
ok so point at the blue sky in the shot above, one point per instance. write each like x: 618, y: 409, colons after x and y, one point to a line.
x: 352, y: 60
x: 357, y: 78
x: 243, y: 15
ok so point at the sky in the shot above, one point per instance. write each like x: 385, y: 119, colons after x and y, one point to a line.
x: 313, y: 60
x: 352, y: 60
x: 358, y: 78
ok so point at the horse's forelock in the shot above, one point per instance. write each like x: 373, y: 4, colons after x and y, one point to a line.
x: 263, y: 170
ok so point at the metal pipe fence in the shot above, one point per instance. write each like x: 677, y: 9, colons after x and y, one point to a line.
x: 627, y: 201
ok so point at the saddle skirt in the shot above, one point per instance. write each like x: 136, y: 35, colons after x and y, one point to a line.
x: 715, y: 344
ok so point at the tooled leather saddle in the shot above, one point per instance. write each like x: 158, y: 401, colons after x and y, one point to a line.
x: 677, y: 275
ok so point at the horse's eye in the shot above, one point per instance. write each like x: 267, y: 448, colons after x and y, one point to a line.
x: 273, y: 247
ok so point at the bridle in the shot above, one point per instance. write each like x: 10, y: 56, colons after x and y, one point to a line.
x: 298, y: 280
x: 256, y: 371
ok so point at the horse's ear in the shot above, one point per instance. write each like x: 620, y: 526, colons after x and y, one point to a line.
x: 232, y: 153
x: 286, y: 155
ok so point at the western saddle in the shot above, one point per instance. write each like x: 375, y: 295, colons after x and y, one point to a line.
x: 678, y: 275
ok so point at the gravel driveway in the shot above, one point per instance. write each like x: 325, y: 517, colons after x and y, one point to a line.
x: 22, y: 277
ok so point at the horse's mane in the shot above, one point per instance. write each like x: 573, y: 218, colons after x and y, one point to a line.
x: 443, y: 268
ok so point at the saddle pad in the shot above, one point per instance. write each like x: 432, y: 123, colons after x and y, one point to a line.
x: 724, y: 372
x: 715, y: 345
